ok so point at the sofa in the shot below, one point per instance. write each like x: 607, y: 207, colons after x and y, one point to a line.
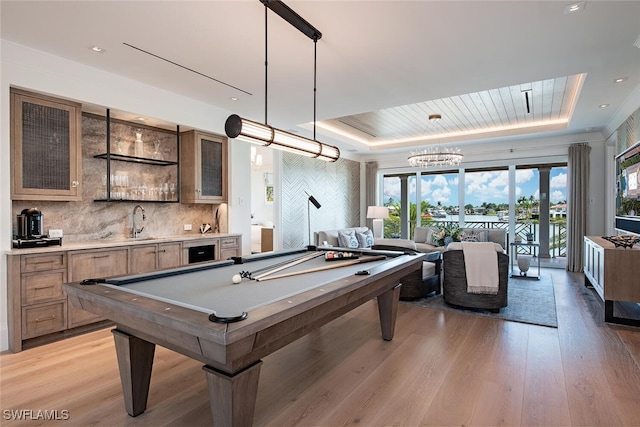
x: 422, y: 237
x: 416, y: 285
x: 331, y: 236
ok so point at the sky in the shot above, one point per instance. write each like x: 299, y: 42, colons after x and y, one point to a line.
x: 489, y: 186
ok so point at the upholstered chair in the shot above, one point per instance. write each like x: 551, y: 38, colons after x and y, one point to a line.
x: 420, y: 283
x: 454, y: 287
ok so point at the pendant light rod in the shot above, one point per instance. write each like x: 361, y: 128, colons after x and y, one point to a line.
x: 266, y: 64
x: 315, y: 62
x: 286, y: 13
x: 265, y: 135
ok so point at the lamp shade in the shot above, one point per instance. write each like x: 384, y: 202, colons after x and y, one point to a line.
x: 265, y: 135
x: 377, y: 212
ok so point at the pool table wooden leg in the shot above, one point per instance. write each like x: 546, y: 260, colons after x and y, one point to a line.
x: 387, y: 309
x: 135, y: 360
x: 233, y: 397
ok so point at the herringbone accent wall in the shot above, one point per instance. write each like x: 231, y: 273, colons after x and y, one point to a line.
x: 336, y: 186
x: 629, y: 131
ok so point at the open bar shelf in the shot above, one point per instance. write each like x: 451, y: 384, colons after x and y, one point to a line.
x: 136, y: 200
x: 133, y: 159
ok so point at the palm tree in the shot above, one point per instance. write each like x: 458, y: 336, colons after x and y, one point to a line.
x: 392, y: 225
x: 525, y: 205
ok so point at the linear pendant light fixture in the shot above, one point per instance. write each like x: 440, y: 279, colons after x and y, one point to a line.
x: 266, y: 135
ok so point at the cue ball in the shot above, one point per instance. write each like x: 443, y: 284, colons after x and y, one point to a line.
x: 236, y: 278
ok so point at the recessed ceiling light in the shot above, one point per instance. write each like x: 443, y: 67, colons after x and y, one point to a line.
x: 603, y: 105
x: 97, y: 49
x: 620, y: 80
x: 233, y: 98
x: 574, y: 7
x: 142, y: 119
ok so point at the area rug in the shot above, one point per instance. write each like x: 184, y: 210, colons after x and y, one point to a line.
x: 529, y: 301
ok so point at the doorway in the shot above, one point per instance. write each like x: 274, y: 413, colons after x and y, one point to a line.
x: 262, y: 198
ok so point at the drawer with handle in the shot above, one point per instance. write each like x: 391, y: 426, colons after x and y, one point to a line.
x: 43, y: 262
x: 229, y: 242
x: 42, y: 287
x: 44, y: 319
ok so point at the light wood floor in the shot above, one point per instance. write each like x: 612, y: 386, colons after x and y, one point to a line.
x: 442, y: 368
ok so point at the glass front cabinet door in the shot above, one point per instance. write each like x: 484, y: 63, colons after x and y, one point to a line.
x: 46, y: 153
x: 203, y: 169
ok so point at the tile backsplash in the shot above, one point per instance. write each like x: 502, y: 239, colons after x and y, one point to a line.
x: 96, y: 220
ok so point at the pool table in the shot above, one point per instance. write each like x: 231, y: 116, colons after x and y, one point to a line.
x: 198, y: 311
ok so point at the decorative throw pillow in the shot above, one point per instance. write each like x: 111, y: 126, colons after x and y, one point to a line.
x: 432, y: 234
x: 365, y: 239
x: 474, y: 236
x: 420, y: 234
x: 347, y: 239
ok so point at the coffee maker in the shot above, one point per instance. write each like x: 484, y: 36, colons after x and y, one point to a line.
x: 30, y: 232
x: 30, y: 224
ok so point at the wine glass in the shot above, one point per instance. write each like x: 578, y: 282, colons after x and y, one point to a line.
x: 115, y: 148
x: 165, y: 190
x: 172, y: 189
x: 156, y: 150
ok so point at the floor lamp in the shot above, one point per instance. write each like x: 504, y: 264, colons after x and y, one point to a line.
x: 311, y: 200
x: 377, y: 213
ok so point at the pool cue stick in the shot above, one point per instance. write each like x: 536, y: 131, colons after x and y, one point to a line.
x: 291, y: 264
x: 326, y: 267
x: 249, y: 274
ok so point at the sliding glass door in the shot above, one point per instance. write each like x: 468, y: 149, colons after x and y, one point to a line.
x: 538, y: 212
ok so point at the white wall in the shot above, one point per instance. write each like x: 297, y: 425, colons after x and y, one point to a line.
x: 501, y: 153
x: 240, y: 192
x: 261, y: 210
x: 597, y: 193
x: 38, y: 71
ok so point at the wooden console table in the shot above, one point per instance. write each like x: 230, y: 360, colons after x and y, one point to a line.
x: 614, y: 273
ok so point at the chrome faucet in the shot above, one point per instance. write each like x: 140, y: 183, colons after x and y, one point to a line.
x: 144, y: 218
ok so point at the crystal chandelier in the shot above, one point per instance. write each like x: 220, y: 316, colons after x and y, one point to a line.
x: 435, y: 156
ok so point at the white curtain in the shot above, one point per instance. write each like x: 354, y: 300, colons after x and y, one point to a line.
x: 577, y: 204
x: 371, y: 172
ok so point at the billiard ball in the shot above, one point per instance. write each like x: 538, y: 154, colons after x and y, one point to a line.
x: 236, y: 278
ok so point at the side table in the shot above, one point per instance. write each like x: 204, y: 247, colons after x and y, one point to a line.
x: 514, y: 256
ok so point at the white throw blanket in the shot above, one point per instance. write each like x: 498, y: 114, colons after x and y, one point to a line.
x: 481, y: 266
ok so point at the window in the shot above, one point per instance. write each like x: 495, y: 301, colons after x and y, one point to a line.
x: 486, y: 195
x: 439, y: 197
x: 392, y: 195
x: 485, y: 202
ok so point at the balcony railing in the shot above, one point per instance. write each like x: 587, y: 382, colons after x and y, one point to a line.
x: 557, y: 233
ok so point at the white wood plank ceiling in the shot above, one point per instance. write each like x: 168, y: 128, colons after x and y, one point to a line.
x: 518, y: 109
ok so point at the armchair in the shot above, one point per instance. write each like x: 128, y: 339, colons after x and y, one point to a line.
x: 420, y: 283
x: 454, y: 287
